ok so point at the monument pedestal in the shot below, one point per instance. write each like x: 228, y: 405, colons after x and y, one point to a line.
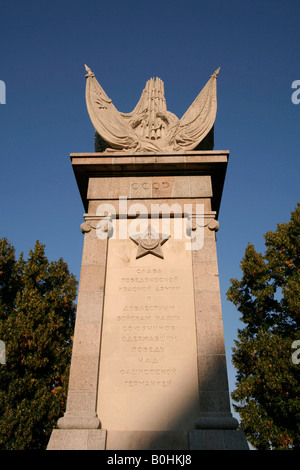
x: 148, y: 368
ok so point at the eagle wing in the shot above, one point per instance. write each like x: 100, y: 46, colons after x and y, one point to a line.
x: 198, y: 120
x: 106, y: 119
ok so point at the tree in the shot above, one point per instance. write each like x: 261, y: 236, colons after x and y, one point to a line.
x: 37, y: 315
x: 268, y: 391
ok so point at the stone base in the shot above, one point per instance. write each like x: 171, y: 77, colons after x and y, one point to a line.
x: 77, y: 439
x: 99, y: 439
x: 216, y: 420
x: 147, y: 440
x: 217, y: 439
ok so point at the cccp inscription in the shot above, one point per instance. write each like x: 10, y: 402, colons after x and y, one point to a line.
x: 149, y: 341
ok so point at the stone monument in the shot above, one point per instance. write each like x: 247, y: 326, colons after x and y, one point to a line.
x: 148, y: 368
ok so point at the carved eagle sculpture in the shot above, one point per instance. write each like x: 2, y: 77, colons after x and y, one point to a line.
x: 150, y: 126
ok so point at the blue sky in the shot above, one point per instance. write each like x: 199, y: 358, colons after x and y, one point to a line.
x: 44, y: 46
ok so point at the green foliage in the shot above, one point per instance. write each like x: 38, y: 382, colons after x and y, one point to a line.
x: 267, y: 297
x: 37, y: 315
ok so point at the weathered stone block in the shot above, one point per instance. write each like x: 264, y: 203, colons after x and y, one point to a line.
x: 77, y: 439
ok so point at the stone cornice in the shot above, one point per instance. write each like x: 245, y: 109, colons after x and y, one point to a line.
x: 194, y: 222
x: 125, y: 164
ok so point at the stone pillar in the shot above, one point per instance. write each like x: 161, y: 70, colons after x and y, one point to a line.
x: 199, y: 416
x: 79, y: 428
x: 215, y: 424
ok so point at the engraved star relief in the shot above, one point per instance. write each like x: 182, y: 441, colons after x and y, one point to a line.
x: 150, y: 242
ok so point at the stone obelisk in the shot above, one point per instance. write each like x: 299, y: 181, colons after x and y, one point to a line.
x: 148, y: 368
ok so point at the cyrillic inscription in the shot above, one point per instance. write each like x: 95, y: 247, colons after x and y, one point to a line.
x: 149, y: 341
x: 148, y: 185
